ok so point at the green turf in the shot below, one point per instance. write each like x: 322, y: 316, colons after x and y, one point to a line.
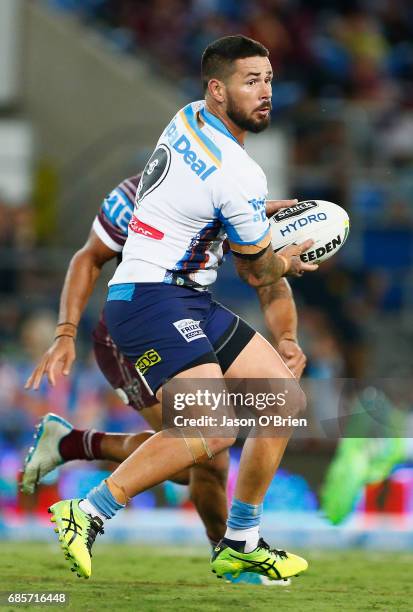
x: 129, y: 577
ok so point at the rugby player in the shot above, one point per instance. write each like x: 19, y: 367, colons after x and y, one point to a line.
x: 198, y: 187
x: 57, y: 442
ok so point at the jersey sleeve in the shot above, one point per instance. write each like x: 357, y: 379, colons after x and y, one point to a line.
x: 111, y: 222
x: 245, y: 221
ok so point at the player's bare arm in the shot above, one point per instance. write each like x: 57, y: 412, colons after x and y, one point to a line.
x: 83, y: 272
x: 280, y: 313
x: 260, y: 269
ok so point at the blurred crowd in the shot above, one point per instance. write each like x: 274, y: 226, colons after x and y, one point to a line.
x: 357, y: 49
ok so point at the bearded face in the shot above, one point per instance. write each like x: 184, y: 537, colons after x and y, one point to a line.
x: 254, y: 121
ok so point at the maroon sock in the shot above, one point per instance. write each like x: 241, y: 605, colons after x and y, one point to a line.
x: 81, y: 444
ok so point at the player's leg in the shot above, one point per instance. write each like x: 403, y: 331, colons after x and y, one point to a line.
x: 207, y: 486
x: 242, y: 549
x: 207, y: 481
x: 154, y: 326
x: 262, y: 455
x: 79, y: 521
x: 164, y: 455
x: 122, y: 375
x: 118, y: 447
x: 208, y: 492
x: 56, y: 441
x: 245, y: 354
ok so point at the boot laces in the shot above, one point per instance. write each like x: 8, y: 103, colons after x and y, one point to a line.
x: 95, y: 527
x: 276, y: 551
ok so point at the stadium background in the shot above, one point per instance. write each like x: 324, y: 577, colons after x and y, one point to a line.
x: 85, y: 88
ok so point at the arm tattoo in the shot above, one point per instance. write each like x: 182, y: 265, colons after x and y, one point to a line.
x: 261, y: 272
x: 277, y: 291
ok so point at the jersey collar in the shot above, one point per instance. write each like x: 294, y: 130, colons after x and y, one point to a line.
x: 217, y: 124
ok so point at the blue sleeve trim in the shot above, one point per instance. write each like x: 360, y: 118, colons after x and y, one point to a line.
x: 233, y: 235
x: 247, y: 242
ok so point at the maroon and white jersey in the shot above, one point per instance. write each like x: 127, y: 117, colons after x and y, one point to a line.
x: 111, y: 222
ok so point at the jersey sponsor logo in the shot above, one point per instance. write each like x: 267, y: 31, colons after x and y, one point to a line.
x: 182, y: 145
x: 258, y: 204
x: 293, y: 211
x: 314, y: 254
x: 155, y: 171
x: 189, y: 329
x: 139, y: 227
x: 295, y: 225
x: 147, y: 360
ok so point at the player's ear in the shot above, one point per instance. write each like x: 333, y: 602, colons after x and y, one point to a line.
x: 216, y: 90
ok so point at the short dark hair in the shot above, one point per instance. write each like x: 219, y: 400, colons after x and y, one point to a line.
x: 218, y: 57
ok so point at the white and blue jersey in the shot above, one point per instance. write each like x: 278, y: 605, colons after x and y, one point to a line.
x: 198, y: 188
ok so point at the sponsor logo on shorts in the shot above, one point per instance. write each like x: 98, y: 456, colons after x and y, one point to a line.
x: 147, y: 360
x: 189, y: 329
x: 293, y: 211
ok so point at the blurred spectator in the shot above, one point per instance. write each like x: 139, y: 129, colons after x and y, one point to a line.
x: 334, y: 48
x: 37, y: 334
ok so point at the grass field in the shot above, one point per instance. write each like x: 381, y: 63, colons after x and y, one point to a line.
x: 129, y: 577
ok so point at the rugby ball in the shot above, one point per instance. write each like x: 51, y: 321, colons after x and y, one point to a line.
x: 324, y: 222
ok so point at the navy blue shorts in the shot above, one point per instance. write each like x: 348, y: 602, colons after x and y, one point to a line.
x: 166, y: 329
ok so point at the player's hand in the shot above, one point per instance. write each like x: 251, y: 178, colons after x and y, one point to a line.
x: 293, y: 356
x: 58, y: 359
x: 271, y: 206
x: 291, y: 256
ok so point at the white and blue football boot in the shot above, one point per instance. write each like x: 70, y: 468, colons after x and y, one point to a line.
x: 43, y: 456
